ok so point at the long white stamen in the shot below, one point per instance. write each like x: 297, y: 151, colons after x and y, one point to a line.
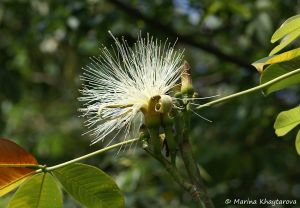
x: 206, y: 119
x: 199, y: 98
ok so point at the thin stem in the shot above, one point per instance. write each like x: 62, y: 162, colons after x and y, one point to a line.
x: 33, y: 166
x: 251, y: 90
x: 173, y: 171
x: 190, y: 164
x: 90, y: 154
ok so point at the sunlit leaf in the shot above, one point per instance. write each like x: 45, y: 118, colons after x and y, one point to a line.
x: 287, y: 27
x: 259, y: 64
x: 20, y: 176
x: 90, y: 186
x: 274, y: 71
x: 297, y: 142
x: 292, y: 56
x: 287, y: 120
x: 13, y: 154
x: 287, y: 40
x: 40, y: 191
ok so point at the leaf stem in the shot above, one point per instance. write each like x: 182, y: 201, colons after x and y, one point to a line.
x: 90, y: 155
x: 251, y: 90
x: 33, y: 166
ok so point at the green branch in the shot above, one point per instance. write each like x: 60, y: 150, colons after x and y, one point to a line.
x: 89, y: 155
x: 173, y: 171
x: 21, y: 166
x: 190, y: 163
x: 251, y: 90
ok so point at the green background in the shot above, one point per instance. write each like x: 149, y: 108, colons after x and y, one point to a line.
x: 45, y: 44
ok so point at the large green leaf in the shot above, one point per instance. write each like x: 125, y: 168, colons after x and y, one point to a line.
x: 90, y: 186
x: 287, y: 40
x: 287, y: 27
x: 292, y: 56
x: 297, y: 143
x: 39, y: 191
x: 275, y: 70
x: 287, y: 120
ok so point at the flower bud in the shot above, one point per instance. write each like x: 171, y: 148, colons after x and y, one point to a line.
x: 186, y: 80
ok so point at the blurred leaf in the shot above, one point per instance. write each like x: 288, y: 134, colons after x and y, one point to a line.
x: 287, y: 27
x: 13, y: 154
x: 287, y: 120
x: 274, y: 71
x: 287, y: 40
x: 292, y: 56
x: 239, y: 8
x: 40, y: 191
x: 297, y: 143
x: 90, y: 186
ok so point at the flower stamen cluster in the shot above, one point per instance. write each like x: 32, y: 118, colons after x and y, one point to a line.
x: 121, y: 86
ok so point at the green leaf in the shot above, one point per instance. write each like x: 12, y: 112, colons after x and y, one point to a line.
x: 274, y: 71
x: 287, y: 40
x: 287, y: 27
x: 297, y: 142
x: 289, y: 56
x: 90, y: 186
x: 287, y: 120
x: 39, y: 191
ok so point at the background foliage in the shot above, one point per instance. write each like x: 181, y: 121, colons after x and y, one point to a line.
x: 44, y: 44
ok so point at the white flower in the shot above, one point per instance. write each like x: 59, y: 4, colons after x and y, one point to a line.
x: 119, y: 83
